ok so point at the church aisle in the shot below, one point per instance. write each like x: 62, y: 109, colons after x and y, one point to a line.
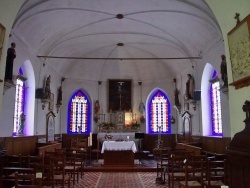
x: 119, y: 180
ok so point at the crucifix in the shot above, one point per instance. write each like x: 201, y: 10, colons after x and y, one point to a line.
x: 120, y: 93
x: 237, y: 17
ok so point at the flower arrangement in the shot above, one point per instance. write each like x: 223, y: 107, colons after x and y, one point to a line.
x: 135, y: 124
x: 108, y: 124
x: 108, y: 136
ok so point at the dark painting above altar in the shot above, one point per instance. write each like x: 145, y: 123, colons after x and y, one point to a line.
x: 119, y: 96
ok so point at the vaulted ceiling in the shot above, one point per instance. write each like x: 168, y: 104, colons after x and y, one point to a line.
x: 99, y: 39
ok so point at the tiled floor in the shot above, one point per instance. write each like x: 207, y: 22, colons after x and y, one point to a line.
x: 119, y: 180
x: 141, y: 175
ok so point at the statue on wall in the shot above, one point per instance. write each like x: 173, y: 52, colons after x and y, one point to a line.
x: 46, y: 94
x: 223, y: 70
x: 21, y: 123
x: 11, y: 55
x: 176, y: 94
x: 59, y: 98
x: 190, y: 87
x: 142, y: 112
x: 176, y: 97
x: 96, y: 110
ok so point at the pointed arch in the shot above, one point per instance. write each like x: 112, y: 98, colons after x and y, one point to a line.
x: 25, y: 99
x: 79, y: 113
x: 19, y: 116
x: 211, y: 103
x: 158, y: 112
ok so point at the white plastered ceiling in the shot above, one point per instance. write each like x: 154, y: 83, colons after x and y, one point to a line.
x: 82, y: 29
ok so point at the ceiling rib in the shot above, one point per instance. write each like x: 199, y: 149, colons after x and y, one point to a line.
x: 122, y: 58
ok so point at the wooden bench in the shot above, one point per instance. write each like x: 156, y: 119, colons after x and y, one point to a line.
x: 189, y: 148
x: 8, y: 178
x: 48, y: 148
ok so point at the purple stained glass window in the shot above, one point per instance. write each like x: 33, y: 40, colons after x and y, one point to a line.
x: 216, y: 106
x: 159, y: 113
x: 79, y: 110
x: 19, y: 104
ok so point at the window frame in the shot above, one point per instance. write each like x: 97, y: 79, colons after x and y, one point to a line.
x: 167, y: 129
x: 88, y: 113
x: 215, y: 106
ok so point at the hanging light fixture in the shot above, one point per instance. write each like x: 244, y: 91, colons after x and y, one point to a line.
x: 141, y: 105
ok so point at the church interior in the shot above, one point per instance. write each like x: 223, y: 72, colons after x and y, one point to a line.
x: 139, y: 87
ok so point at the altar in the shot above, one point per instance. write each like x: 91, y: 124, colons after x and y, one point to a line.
x: 119, y: 153
x: 116, y: 136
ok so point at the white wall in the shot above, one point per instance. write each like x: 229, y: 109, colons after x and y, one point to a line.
x: 8, y: 11
x: 224, y: 11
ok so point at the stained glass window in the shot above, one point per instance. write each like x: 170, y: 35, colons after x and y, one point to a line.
x: 216, y: 106
x: 19, y: 103
x: 79, y: 109
x: 159, y: 113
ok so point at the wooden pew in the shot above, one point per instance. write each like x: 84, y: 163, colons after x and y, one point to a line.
x: 48, y: 148
x: 189, y: 148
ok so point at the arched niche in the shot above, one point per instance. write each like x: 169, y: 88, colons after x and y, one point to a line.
x: 187, y: 126
x: 50, y: 127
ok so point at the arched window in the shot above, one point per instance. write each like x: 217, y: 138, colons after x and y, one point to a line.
x: 215, y: 105
x: 19, y: 105
x: 79, y: 111
x: 158, y: 113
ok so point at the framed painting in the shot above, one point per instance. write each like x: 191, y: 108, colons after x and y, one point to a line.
x: 239, y: 48
x: 119, y: 95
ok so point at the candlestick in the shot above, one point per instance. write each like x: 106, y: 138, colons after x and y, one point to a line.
x: 110, y: 119
x: 90, y: 139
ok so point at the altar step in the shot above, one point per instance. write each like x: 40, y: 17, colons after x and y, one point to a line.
x: 143, y: 165
x: 120, y: 169
x: 144, y: 154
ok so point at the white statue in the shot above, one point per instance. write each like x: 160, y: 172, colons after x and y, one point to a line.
x: 21, y: 123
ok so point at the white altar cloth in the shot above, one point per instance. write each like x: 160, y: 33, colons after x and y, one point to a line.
x: 116, y: 136
x: 118, y: 146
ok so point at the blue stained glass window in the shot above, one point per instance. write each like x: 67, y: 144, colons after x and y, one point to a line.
x: 79, y: 112
x: 19, y: 103
x: 216, y: 107
x: 159, y: 113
